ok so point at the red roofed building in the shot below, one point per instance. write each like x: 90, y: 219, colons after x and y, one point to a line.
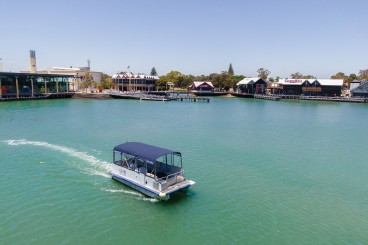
x: 202, y: 87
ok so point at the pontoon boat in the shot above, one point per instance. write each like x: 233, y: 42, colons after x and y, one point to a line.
x: 154, y: 171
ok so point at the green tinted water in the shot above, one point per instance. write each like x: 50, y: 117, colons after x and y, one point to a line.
x: 267, y: 172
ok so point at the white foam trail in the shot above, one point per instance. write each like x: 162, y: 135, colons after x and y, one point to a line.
x: 85, y: 157
x: 71, y: 152
x: 124, y: 191
x: 99, y: 173
x: 133, y: 193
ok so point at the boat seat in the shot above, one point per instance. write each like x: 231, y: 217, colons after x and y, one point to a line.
x: 179, y: 179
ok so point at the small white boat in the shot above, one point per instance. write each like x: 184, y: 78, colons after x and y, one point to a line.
x: 154, y: 171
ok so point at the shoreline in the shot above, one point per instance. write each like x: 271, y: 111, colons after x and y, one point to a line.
x: 272, y: 97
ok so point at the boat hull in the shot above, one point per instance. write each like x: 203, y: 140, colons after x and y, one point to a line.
x: 150, y: 192
x: 138, y: 187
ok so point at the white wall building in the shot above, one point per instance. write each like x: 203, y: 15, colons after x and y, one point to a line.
x: 127, y: 81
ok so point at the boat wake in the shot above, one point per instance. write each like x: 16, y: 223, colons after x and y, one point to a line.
x: 100, y: 168
x: 104, y: 166
x: 138, y: 195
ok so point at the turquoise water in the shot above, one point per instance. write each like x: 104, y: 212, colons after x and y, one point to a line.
x: 286, y: 172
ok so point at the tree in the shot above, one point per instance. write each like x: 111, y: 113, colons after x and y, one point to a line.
x: 153, y: 72
x: 296, y: 75
x: 172, y: 77
x: 231, y: 70
x: 274, y: 80
x: 223, y: 81
x: 107, y: 82
x: 352, y: 77
x: 347, y: 79
x: 263, y: 73
x: 363, y: 74
x: 308, y: 77
x: 185, y: 81
x: 201, y: 78
x: 87, y: 81
x: 339, y: 75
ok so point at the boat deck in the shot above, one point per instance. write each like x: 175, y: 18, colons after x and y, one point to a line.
x: 176, y: 186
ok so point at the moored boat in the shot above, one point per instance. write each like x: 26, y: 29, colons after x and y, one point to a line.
x: 154, y: 171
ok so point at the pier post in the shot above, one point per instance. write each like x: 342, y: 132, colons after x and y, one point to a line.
x: 44, y: 79
x: 57, y: 85
x: 32, y: 88
x: 67, y: 85
x: 16, y: 86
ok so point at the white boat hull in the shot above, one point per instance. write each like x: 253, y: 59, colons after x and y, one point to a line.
x: 144, y: 184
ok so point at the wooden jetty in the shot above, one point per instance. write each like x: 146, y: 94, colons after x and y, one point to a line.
x: 335, y: 99
x: 190, y: 98
x: 257, y: 96
x: 288, y: 96
x: 267, y: 97
x: 155, y: 98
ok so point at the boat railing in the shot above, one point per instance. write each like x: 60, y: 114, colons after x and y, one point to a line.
x: 170, y: 177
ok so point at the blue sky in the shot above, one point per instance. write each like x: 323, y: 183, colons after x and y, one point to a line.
x: 196, y: 37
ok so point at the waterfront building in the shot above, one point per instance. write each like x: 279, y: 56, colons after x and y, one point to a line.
x: 127, y: 81
x: 316, y: 87
x: 33, y: 85
x: 203, y: 86
x: 77, y: 74
x: 252, y: 85
x: 359, y: 88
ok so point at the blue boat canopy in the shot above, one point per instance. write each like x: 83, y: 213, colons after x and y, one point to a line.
x: 144, y: 151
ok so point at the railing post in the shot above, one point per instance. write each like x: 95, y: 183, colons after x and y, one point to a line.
x: 16, y: 86
x: 32, y: 88
x: 57, y: 85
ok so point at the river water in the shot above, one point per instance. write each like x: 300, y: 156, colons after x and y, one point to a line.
x: 266, y: 172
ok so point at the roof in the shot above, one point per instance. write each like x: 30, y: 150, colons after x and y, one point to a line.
x: 291, y: 81
x: 330, y: 82
x: 142, y: 150
x: 33, y: 74
x: 134, y: 76
x: 323, y: 82
x: 357, y: 81
x: 249, y: 80
x: 362, y: 88
x: 197, y: 84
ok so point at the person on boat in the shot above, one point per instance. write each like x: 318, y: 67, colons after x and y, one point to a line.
x: 133, y: 164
